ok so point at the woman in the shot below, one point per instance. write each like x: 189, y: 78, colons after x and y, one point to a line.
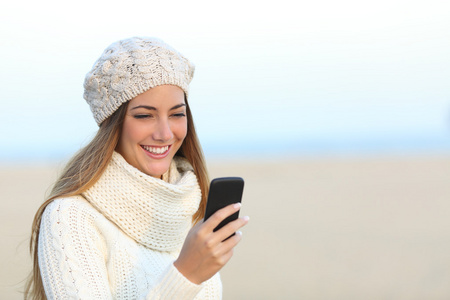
x: 118, y: 223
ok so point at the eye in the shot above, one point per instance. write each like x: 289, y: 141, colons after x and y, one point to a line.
x: 179, y: 115
x: 142, y: 116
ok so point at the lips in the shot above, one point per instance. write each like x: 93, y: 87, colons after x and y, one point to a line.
x: 156, y: 151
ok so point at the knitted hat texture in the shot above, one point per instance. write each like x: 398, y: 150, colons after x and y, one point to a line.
x: 131, y: 67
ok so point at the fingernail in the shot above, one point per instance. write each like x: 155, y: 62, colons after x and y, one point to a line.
x: 239, y: 233
x: 237, y: 205
x: 246, y: 218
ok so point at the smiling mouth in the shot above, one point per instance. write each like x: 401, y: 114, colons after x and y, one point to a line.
x: 156, y: 150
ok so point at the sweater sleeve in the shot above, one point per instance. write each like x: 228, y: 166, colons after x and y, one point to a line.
x: 73, y: 253
x: 173, y: 285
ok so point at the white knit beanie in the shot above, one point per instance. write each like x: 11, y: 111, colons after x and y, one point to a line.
x: 131, y: 67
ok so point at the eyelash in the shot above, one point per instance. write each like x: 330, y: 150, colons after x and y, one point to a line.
x: 142, y: 116
x: 178, y: 115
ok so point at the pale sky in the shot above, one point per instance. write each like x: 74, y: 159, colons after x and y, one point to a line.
x: 268, y: 74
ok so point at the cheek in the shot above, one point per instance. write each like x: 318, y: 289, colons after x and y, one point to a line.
x: 179, y: 130
x: 183, y: 130
x: 131, y: 133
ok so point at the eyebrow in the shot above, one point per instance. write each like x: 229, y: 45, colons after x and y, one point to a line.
x: 154, y: 108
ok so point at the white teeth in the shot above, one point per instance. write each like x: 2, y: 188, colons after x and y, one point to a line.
x: 156, y: 150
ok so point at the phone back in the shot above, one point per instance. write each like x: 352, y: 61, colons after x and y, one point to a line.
x: 222, y: 192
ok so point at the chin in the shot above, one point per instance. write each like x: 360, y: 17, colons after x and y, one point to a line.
x: 157, y: 169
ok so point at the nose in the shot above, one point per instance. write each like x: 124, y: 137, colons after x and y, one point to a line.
x: 163, y: 132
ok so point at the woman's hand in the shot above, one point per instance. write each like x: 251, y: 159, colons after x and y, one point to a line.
x: 205, y: 252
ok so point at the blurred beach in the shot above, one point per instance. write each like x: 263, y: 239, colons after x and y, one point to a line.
x: 320, y: 228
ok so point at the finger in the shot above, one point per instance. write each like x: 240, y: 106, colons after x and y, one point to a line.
x: 226, y: 257
x: 229, y: 229
x: 221, y: 215
x: 227, y: 247
x: 230, y: 243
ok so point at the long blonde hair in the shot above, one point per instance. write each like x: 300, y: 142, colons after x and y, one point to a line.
x: 86, y: 167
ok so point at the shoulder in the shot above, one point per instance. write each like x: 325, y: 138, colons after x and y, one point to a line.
x: 67, y: 222
x: 69, y: 205
x: 76, y: 217
x: 70, y: 212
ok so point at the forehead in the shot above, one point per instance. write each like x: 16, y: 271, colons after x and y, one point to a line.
x: 160, y: 96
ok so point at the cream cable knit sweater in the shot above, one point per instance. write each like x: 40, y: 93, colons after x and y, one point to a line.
x: 120, y: 238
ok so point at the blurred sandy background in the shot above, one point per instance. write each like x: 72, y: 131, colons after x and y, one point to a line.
x: 342, y: 228
x: 325, y: 78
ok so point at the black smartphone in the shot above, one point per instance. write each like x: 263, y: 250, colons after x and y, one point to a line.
x: 224, y: 191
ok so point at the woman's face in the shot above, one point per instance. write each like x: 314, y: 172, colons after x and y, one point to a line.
x: 154, y: 128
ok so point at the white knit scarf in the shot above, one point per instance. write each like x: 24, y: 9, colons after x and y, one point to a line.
x: 155, y: 213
